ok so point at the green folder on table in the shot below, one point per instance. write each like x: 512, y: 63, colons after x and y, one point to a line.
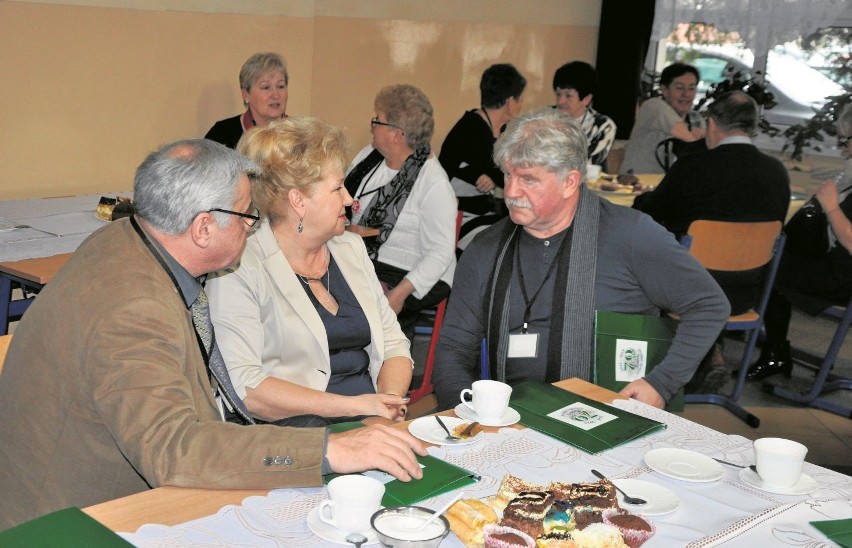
x: 68, y: 527
x: 838, y: 530
x: 628, y: 346
x: 584, y: 423
x: 438, y: 477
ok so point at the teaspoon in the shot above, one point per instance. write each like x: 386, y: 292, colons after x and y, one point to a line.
x: 356, y: 538
x: 752, y: 467
x: 627, y: 498
x: 450, y: 437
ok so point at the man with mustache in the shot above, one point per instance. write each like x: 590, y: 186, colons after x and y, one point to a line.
x: 531, y: 283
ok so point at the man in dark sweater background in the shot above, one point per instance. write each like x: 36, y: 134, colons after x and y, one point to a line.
x: 732, y: 181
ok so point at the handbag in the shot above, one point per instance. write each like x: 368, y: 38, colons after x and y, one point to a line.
x: 807, y: 231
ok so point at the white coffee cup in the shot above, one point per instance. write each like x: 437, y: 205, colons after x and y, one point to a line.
x: 352, y: 501
x: 779, y: 461
x: 593, y: 172
x: 490, y: 399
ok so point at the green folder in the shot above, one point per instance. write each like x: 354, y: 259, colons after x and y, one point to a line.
x: 438, y: 477
x: 628, y: 346
x: 838, y: 530
x: 586, y: 424
x: 69, y: 527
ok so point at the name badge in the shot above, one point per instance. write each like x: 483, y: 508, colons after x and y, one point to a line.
x: 523, y: 345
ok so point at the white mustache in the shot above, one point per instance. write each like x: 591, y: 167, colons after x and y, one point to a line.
x: 511, y: 202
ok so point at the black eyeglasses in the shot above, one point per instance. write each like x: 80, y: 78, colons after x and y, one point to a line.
x: 843, y: 140
x: 248, y: 218
x: 375, y: 122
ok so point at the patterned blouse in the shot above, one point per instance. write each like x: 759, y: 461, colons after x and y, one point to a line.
x: 600, y: 131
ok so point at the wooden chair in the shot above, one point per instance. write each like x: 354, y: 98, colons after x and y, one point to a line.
x: 732, y: 247
x: 825, y: 381
x: 425, y: 387
x: 5, y: 340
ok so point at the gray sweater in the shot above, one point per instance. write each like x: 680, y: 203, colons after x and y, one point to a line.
x: 641, y: 269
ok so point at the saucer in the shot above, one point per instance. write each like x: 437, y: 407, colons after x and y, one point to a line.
x: 509, y: 417
x: 332, y: 534
x: 683, y: 464
x: 804, y: 486
x: 428, y: 430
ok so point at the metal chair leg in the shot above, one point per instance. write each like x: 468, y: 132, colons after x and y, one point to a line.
x: 825, y: 381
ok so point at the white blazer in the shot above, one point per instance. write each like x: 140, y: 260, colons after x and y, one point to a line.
x: 266, y: 325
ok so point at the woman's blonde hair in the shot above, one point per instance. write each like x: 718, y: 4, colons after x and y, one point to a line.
x: 293, y: 154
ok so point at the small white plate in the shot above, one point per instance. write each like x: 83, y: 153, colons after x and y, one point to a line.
x: 332, y: 534
x: 428, y: 430
x: 683, y: 464
x: 660, y: 500
x: 509, y: 417
x: 804, y: 486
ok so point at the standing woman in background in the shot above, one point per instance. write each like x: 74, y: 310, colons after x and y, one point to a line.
x: 263, y: 83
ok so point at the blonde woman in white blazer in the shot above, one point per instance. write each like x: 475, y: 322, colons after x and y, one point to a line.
x: 302, y: 321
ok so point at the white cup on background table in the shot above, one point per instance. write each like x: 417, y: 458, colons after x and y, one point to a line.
x: 593, y: 172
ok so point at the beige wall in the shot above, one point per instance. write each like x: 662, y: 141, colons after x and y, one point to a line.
x: 90, y: 88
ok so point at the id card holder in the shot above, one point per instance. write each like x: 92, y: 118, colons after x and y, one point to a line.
x: 523, y: 345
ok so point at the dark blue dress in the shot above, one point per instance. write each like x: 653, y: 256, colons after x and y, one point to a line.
x: 348, y: 335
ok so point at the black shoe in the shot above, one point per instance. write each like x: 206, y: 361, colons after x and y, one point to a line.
x: 771, y: 363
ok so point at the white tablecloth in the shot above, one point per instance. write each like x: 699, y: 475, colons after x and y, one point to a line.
x: 59, y: 225
x: 727, y: 512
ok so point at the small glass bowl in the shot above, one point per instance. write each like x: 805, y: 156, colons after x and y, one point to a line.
x: 397, y: 527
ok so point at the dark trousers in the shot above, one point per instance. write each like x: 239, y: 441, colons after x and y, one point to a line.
x: 776, y: 321
x: 407, y: 317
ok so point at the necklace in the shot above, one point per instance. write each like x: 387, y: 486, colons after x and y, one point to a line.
x: 307, y: 280
x: 328, y: 299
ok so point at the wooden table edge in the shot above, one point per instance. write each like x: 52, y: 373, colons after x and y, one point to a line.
x: 39, y: 270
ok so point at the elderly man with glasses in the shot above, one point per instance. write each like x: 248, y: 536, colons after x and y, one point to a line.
x: 106, y: 388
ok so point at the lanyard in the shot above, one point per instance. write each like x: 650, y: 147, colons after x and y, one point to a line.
x: 356, y: 202
x: 367, y: 181
x: 162, y: 261
x: 528, y: 302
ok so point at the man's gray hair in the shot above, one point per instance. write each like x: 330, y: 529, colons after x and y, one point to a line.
x: 735, y: 111
x: 544, y: 138
x: 182, y: 179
